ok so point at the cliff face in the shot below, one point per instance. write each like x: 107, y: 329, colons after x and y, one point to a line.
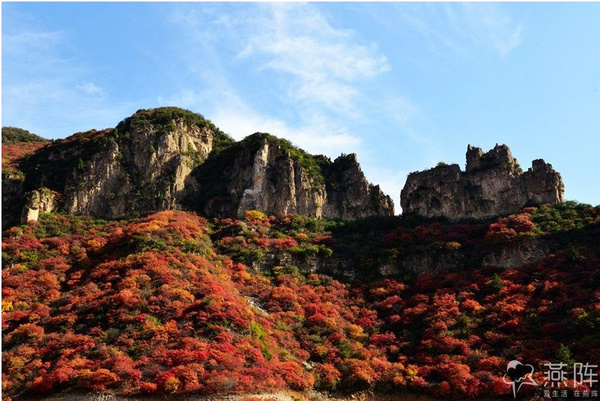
x: 38, y: 201
x: 143, y: 167
x: 268, y: 174
x: 492, y: 185
x: 169, y: 158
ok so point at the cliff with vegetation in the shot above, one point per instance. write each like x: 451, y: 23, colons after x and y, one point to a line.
x: 269, y: 174
x: 169, y: 158
x: 492, y: 185
x: 300, y: 279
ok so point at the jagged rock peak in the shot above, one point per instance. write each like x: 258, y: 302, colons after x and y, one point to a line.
x: 269, y: 174
x: 493, y: 184
x: 170, y: 158
x: 498, y: 157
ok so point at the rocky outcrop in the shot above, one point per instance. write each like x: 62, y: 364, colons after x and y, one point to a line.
x: 493, y: 184
x: 349, y: 194
x: 268, y: 174
x: 169, y: 158
x: 142, y: 165
x: 42, y: 200
x: 143, y: 168
x: 516, y: 254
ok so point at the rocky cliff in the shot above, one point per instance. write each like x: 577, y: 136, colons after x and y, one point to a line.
x: 139, y: 166
x: 169, y: 158
x: 266, y: 173
x: 493, y: 184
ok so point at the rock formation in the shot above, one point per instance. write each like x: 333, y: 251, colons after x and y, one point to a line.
x: 169, y: 158
x: 266, y: 173
x: 493, y: 184
x: 143, y: 167
x: 39, y: 201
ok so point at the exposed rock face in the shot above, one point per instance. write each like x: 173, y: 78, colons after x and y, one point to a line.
x: 39, y: 201
x: 516, y: 254
x: 170, y: 158
x: 267, y: 174
x: 142, y: 165
x: 143, y: 170
x: 349, y: 195
x: 492, y: 185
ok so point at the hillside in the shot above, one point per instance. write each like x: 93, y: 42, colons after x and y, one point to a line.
x: 170, y: 158
x: 161, y: 258
x: 174, y: 303
x: 13, y: 135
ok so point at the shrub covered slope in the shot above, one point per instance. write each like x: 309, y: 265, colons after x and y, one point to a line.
x: 173, y: 303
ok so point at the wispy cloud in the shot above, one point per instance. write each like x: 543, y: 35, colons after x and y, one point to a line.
x: 311, y: 73
x: 322, y: 64
x: 461, y: 28
x: 236, y: 117
x: 486, y: 25
x: 90, y: 88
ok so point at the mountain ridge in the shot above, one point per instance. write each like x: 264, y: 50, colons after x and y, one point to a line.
x: 173, y: 303
x: 154, y: 160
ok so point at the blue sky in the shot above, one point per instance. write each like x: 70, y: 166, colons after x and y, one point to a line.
x: 403, y: 85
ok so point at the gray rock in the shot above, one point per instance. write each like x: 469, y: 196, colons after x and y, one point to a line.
x: 492, y: 185
x: 39, y: 201
x: 170, y: 158
x: 262, y: 173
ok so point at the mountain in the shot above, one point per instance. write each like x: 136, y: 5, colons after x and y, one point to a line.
x: 13, y: 135
x: 269, y: 174
x: 161, y: 258
x: 170, y: 158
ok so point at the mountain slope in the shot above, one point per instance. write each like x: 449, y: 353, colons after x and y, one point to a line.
x: 164, y: 305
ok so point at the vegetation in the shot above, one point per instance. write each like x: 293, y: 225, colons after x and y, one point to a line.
x: 12, y: 135
x: 168, y: 304
x: 74, y: 151
x: 173, y: 303
x: 17, y: 143
x: 164, y: 119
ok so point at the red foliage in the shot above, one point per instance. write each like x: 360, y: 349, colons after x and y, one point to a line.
x: 283, y: 243
x: 509, y: 227
x: 151, y: 306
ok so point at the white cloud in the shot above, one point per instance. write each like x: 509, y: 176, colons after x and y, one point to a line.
x: 485, y: 24
x: 464, y: 29
x: 311, y: 72
x: 234, y: 116
x: 323, y: 66
x: 90, y: 88
x: 315, y: 139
